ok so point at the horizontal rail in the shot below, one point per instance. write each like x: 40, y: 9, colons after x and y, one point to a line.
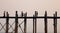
x: 49, y: 17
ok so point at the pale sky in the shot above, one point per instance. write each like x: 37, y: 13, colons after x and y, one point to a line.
x: 30, y: 6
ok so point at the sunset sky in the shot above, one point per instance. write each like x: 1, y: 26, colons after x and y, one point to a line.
x: 30, y: 6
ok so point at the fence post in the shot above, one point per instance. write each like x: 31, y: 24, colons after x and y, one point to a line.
x: 35, y: 22
x: 45, y: 21
x: 7, y: 22
x: 36, y: 14
x: 55, y: 22
x: 4, y: 14
x: 25, y: 22
x: 33, y: 25
x: 22, y: 14
x: 16, y: 23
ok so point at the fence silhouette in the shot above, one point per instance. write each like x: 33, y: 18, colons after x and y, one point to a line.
x: 25, y: 17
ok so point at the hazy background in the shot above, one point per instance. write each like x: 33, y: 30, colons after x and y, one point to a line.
x: 30, y: 6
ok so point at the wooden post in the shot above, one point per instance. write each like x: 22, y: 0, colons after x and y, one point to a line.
x: 55, y: 22
x: 7, y: 22
x: 16, y: 23
x: 45, y: 21
x: 25, y: 22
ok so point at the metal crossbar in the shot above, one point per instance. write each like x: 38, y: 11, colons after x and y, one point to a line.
x: 48, y: 17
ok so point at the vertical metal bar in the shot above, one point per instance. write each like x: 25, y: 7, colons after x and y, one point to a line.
x: 35, y: 22
x: 22, y: 14
x: 25, y: 22
x: 55, y: 22
x: 45, y: 21
x: 7, y: 22
x: 4, y: 14
x: 16, y: 23
x: 36, y: 14
x: 33, y: 25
